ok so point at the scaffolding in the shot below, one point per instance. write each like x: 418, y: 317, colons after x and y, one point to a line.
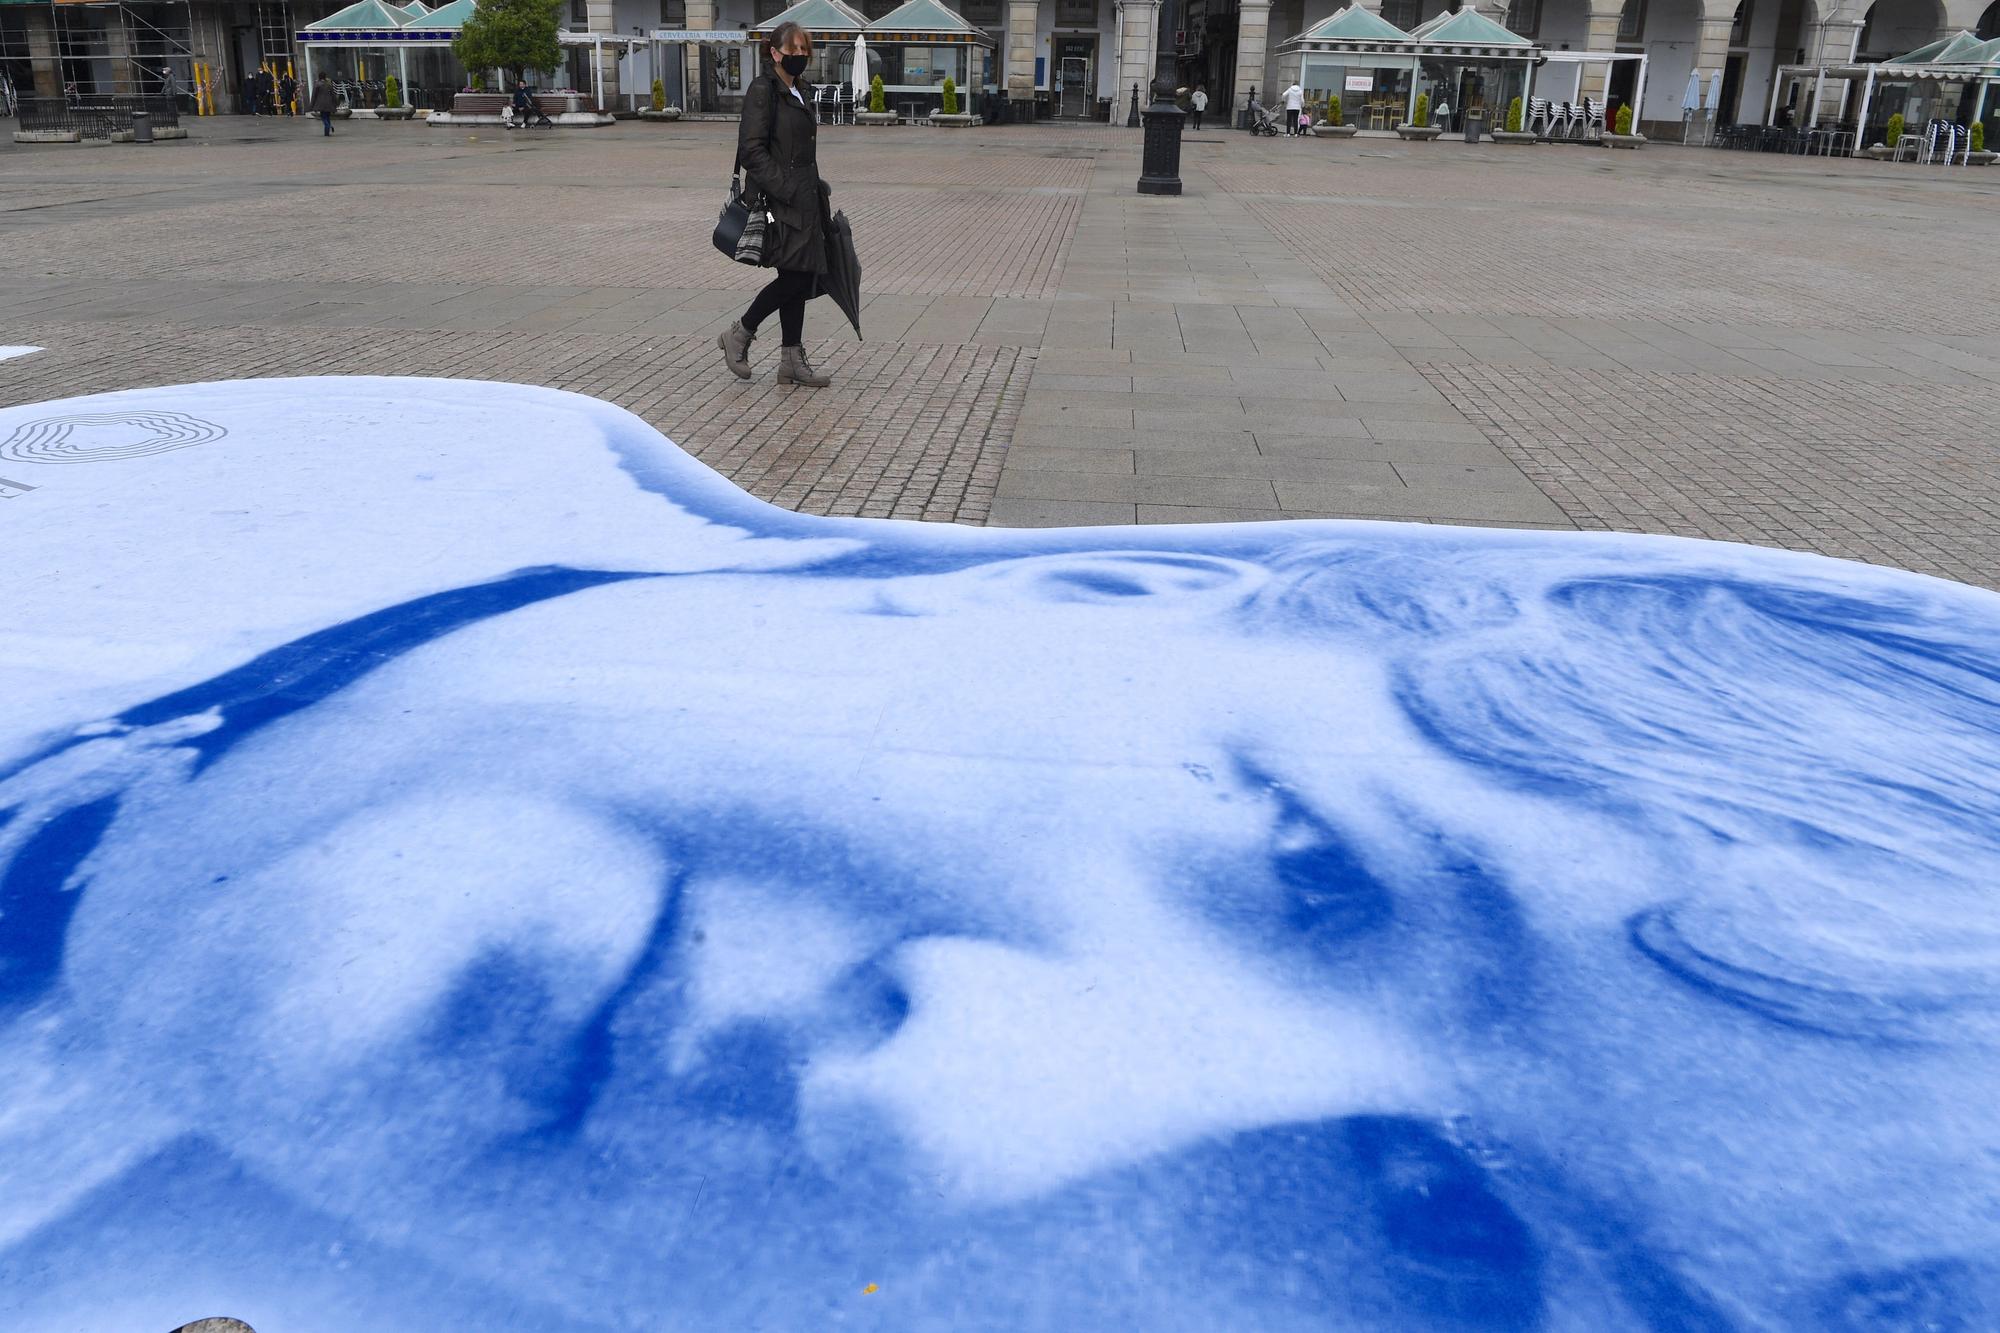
x: 127, y: 50
x: 274, y: 35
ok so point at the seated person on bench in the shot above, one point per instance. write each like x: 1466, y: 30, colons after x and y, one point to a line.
x: 524, y: 106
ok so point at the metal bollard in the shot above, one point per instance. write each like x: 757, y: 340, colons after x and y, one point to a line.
x: 1246, y: 119
x: 1132, y: 117
x: 1161, y: 172
x: 142, y: 127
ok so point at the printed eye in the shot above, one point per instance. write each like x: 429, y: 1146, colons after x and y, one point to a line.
x: 1329, y: 894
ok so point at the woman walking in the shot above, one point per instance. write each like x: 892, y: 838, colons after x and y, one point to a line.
x: 775, y: 146
x: 323, y: 104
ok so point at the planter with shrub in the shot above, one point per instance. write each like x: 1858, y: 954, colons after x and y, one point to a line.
x: 1419, y: 124
x: 948, y: 116
x: 1979, y: 157
x: 659, y: 110
x: 1513, y: 134
x: 878, y: 112
x: 1621, y: 135
x: 1333, y: 124
x: 392, y: 107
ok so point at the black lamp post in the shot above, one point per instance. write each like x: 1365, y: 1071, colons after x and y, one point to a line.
x: 1161, y: 171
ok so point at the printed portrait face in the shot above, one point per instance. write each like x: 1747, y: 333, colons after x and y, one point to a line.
x: 1322, y: 925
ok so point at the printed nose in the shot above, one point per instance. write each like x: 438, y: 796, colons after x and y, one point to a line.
x: 751, y: 1070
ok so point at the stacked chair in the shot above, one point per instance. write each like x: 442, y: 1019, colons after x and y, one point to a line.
x: 1565, y: 120
x: 1943, y: 135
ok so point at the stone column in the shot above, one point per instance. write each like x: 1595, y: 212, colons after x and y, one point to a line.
x: 1253, y: 35
x: 42, y: 51
x: 1833, y: 42
x: 1138, y: 47
x: 1595, y: 82
x: 1711, y: 53
x: 1022, y: 48
x: 700, y: 17
x: 601, y: 18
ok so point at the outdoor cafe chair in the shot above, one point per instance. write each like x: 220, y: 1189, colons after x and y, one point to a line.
x: 1592, y: 118
x: 1540, y: 112
x: 1941, y: 134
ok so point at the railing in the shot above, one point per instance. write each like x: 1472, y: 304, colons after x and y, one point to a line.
x: 95, y: 117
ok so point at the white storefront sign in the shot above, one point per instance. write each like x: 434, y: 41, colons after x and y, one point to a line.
x: 1360, y: 83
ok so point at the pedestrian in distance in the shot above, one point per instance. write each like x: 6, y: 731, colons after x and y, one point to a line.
x: 1199, y: 102
x: 1295, y: 102
x: 288, y: 95
x: 776, y: 148
x: 323, y: 105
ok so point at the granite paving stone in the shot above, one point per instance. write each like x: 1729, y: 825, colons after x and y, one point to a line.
x: 1041, y: 345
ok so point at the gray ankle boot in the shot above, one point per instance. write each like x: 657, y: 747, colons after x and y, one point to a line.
x: 793, y: 368
x: 735, y: 344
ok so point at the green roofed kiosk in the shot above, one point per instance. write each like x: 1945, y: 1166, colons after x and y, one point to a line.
x: 1461, y: 59
x: 917, y: 46
x: 1948, y: 79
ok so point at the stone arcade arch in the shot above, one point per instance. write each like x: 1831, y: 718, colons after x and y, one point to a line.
x: 1892, y: 27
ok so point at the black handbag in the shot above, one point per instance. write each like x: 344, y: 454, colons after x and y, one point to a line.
x: 744, y: 229
x: 743, y: 225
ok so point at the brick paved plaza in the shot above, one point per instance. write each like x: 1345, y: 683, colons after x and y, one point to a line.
x: 1795, y: 352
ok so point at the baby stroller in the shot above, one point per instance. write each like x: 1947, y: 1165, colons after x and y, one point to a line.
x: 1261, y: 121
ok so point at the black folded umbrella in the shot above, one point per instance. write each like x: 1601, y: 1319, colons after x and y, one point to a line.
x: 842, y: 279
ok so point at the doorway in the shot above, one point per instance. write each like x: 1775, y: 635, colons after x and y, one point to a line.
x: 1732, y: 86
x: 1076, y: 68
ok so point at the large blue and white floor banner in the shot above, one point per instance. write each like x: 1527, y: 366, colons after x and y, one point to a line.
x: 466, y: 866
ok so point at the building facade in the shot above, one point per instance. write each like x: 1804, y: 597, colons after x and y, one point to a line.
x: 1070, y: 59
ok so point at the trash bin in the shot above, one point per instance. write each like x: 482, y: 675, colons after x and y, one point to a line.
x: 1474, y: 122
x: 142, y: 127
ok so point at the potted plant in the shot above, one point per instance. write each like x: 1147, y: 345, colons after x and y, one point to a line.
x: 878, y: 112
x: 1979, y: 157
x: 1335, y: 125
x: 948, y: 116
x: 392, y: 107
x: 1513, y: 134
x: 1419, y: 125
x: 1621, y: 135
x: 1882, y: 152
x: 659, y: 110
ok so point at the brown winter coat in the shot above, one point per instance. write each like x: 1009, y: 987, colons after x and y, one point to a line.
x: 776, y: 145
x: 323, y: 99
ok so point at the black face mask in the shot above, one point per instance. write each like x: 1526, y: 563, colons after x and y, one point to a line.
x: 794, y: 65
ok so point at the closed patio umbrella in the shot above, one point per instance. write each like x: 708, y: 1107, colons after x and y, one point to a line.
x: 1691, y: 99
x: 861, y: 70
x: 1714, y: 90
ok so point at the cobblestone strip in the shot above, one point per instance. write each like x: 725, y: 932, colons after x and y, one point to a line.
x: 1893, y: 474
x: 907, y: 431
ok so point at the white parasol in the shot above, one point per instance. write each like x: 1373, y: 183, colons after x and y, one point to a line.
x: 1714, y: 90
x: 1691, y: 99
x: 861, y: 68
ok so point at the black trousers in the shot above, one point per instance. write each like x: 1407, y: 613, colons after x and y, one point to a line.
x: 1197, y: 118
x: 787, y: 294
